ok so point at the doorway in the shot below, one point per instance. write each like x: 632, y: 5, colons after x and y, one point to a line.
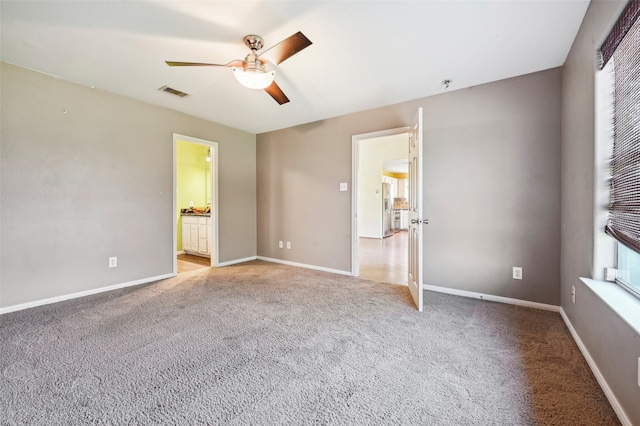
x: 195, y: 203
x: 379, y: 167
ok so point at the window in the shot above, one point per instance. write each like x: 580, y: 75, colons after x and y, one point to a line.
x: 629, y: 269
x: 621, y: 56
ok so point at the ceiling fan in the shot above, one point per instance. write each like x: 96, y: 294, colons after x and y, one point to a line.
x: 251, y: 72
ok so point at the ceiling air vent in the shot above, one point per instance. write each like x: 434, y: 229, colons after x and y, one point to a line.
x: 173, y: 91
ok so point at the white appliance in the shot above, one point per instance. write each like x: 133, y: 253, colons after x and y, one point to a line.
x: 386, y: 210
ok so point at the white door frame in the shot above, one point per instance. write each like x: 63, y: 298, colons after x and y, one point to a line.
x: 213, y: 236
x: 355, y: 167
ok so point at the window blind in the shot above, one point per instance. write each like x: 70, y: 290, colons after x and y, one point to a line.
x: 628, y: 17
x: 624, y: 206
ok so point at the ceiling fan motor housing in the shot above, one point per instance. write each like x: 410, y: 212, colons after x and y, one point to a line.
x: 253, y: 64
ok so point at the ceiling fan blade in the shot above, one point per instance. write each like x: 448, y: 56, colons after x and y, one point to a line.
x: 235, y: 63
x: 276, y: 93
x: 286, y: 48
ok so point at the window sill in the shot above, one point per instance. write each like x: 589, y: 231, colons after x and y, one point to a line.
x: 618, y: 299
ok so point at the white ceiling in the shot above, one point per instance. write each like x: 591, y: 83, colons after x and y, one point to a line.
x: 365, y: 54
x: 395, y: 166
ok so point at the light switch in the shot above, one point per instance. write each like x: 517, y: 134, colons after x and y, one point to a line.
x: 343, y: 186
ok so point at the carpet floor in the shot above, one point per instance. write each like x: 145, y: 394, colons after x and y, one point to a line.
x: 268, y: 344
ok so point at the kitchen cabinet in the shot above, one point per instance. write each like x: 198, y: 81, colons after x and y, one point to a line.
x: 402, y: 188
x: 195, y: 235
x: 404, y: 219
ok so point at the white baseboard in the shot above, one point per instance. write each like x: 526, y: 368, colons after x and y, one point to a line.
x: 178, y: 253
x: 622, y: 416
x: 493, y: 298
x: 56, y: 299
x: 235, y: 261
x: 303, y: 265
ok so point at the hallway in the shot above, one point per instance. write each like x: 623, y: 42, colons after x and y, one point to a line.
x: 385, y: 259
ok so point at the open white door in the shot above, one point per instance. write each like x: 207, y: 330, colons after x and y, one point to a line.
x: 415, y: 210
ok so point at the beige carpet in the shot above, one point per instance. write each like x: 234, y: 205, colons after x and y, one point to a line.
x: 268, y: 344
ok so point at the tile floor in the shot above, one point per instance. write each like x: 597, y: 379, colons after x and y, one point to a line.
x: 385, y: 259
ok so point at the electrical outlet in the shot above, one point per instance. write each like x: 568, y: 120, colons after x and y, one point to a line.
x: 190, y: 203
x: 517, y: 273
x: 573, y: 294
x: 280, y: 245
x: 113, y: 262
x: 289, y: 245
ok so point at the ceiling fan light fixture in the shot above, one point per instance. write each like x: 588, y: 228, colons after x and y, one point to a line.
x: 254, y: 79
x: 251, y: 72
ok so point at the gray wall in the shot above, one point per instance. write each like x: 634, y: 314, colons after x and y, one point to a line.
x: 492, y: 187
x: 97, y: 182
x: 612, y: 344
